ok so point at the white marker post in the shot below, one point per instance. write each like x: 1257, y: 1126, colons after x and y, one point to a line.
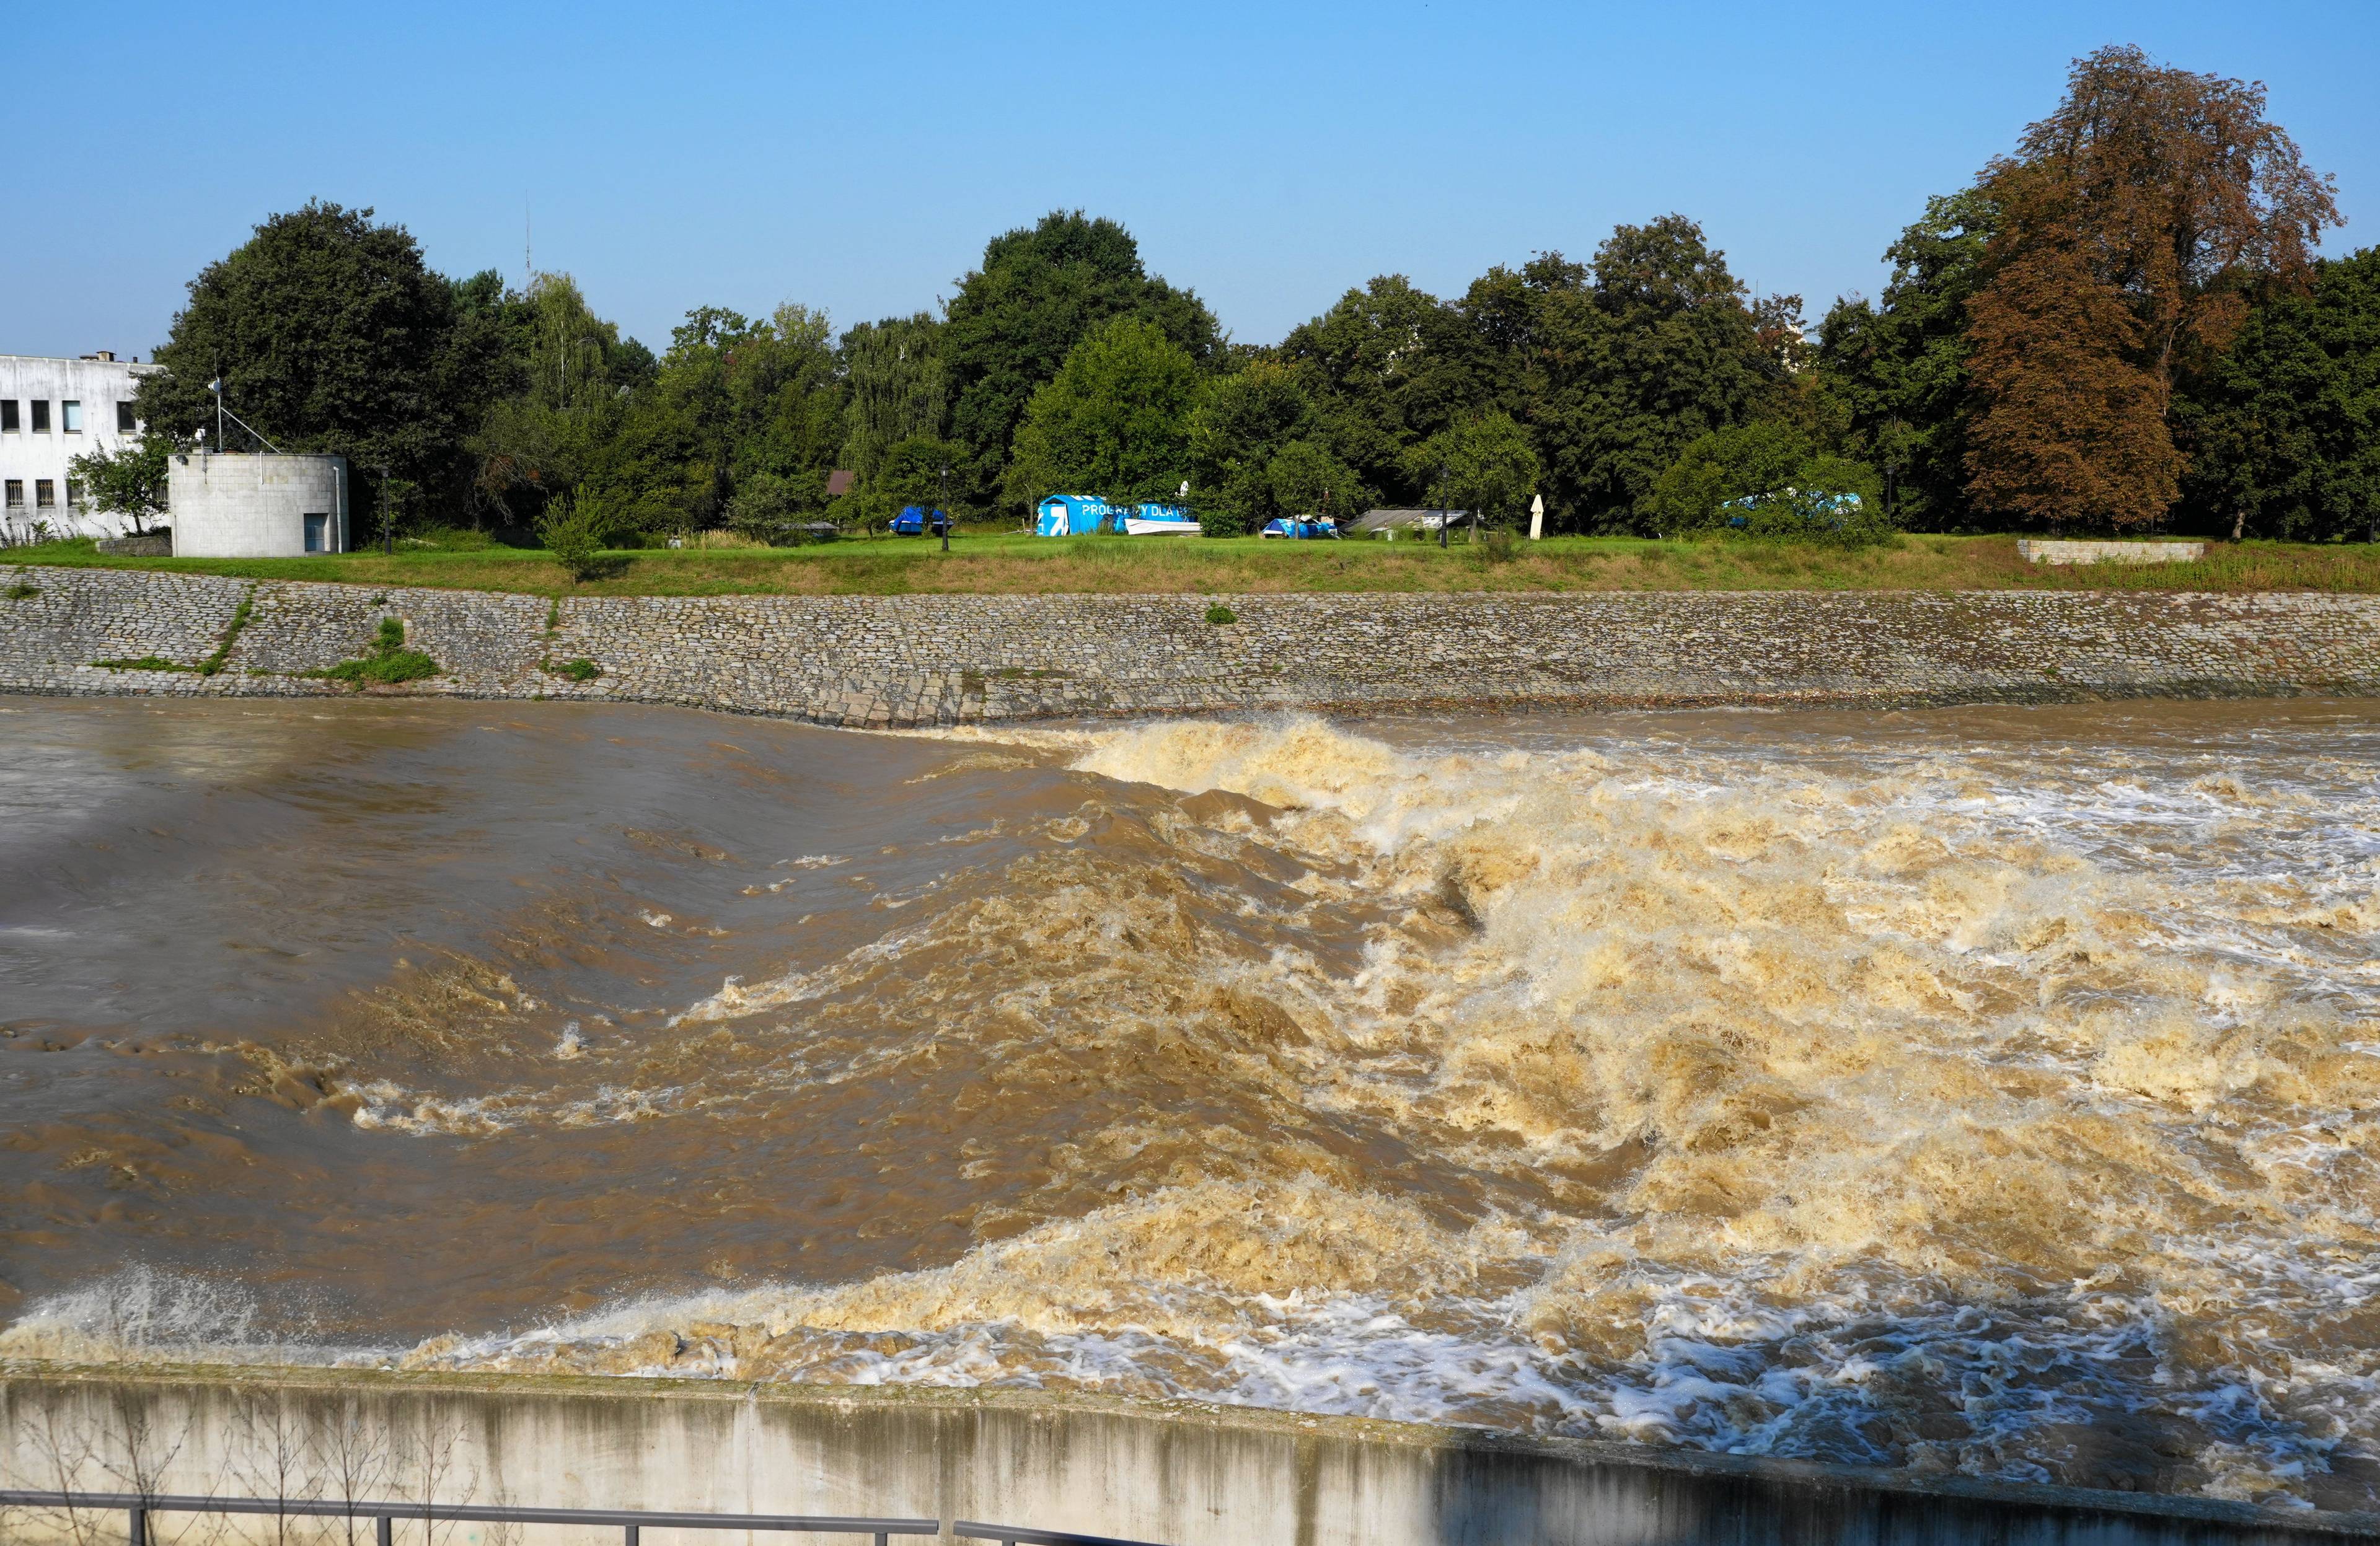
x: 1538, y: 518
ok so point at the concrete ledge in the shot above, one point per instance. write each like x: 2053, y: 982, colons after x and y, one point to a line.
x: 1179, y: 1473
x: 155, y: 544
x: 2038, y: 551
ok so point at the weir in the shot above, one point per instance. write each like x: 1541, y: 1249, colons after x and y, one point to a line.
x: 1175, y: 1473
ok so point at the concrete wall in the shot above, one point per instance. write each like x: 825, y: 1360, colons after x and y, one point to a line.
x: 1178, y: 1473
x: 254, y: 504
x: 941, y: 660
x: 31, y: 457
x: 2037, y: 551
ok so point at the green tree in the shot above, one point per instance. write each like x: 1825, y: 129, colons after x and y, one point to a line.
x: 1381, y: 366
x: 331, y: 334
x: 1900, y: 367
x: 1114, y: 421
x: 1041, y: 290
x: 2285, y: 431
x: 1616, y: 365
x: 1240, y: 425
x: 899, y: 387
x: 128, y: 481
x: 1304, y: 480
x: 1482, y: 464
x: 571, y: 374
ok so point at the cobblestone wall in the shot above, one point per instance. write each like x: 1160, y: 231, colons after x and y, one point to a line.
x: 937, y: 659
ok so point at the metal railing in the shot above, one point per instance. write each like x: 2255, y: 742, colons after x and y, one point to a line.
x: 630, y: 1522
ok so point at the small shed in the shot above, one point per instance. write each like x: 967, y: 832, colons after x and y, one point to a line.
x: 257, y: 504
x: 1072, y: 515
x: 1373, y: 521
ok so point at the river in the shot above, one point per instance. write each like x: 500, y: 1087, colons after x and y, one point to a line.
x: 1990, y: 1091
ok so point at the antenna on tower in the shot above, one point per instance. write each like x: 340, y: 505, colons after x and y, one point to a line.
x: 528, y: 272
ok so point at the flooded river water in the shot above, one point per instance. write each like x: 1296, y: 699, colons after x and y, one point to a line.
x: 1992, y: 1091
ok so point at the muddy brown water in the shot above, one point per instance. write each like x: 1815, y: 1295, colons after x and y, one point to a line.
x: 1987, y: 1090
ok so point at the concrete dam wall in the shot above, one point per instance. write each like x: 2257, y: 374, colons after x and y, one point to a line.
x: 1179, y: 1473
x: 906, y: 661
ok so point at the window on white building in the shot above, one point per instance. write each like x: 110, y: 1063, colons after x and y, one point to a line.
x: 70, y: 414
x: 124, y: 423
x: 16, y: 494
x: 73, y: 494
x: 8, y: 413
x: 40, y: 415
x: 46, y: 493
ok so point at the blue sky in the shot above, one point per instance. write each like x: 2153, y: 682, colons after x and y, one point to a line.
x: 857, y: 156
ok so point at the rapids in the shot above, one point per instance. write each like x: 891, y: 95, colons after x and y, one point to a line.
x: 1987, y: 1091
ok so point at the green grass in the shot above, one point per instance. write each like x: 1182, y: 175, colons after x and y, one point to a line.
x: 386, y: 664
x: 1003, y: 561
x: 144, y: 663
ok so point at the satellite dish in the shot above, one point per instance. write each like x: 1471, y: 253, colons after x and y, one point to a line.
x: 215, y: 385
x: 1185, y: 491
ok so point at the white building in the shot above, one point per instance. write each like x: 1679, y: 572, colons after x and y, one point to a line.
x: 51, y: 412
x: 257, y: 504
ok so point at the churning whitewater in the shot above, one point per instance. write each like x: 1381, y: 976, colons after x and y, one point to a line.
x: 1975, y: 1091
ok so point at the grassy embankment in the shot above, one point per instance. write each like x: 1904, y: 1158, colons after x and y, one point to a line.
x: 1005, y: 562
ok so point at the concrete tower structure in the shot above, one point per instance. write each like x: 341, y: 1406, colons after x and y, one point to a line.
x: 257, y: 504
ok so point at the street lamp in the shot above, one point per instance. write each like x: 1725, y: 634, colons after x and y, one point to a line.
x: 943, y: 507
x: 387, y: 532
x: 1442, y: 506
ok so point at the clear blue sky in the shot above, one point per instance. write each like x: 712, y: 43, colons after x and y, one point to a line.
x: 857, y: 156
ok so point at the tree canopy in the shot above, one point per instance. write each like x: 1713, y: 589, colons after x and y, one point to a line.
x: 2121, y: 321
x: 1115, y: 420
x: 1040, y: 291
x: 331, y: 334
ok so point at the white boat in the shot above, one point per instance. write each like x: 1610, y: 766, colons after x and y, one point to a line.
x: 1140, y: 525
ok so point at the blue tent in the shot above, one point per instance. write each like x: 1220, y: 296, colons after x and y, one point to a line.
x: 1072, y: 515
x: 916, y: 520
x: 1281, y: 526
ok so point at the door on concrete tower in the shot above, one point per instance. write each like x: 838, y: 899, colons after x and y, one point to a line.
x: 317, y: 533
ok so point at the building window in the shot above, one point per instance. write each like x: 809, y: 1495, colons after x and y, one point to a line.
x: 73, y: 494
x: 40, y: 415
x: 16, y: 494
x: 70, y: 413
x: 46, y: 493
x: 124, y: 423
x: 8, y: 413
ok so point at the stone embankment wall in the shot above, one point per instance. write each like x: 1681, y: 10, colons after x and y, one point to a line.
x: 941, y: 659
x: 1174, y: 1473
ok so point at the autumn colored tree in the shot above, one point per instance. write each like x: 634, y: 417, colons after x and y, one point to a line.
x: 2072, y: 428
x: 2156, y: 193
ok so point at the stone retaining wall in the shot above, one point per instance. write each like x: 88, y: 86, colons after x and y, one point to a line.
x: 939, y: 660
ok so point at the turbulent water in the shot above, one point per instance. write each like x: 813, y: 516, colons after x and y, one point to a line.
x: 1985, y: 1090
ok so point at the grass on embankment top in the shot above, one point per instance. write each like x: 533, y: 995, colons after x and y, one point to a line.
x: 1006, y: 562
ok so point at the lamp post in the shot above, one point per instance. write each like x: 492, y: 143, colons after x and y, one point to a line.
x: 1442, y: 506
x: 942, y: 506
x: 387, y: 532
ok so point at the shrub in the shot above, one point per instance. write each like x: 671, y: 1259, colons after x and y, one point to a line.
x: 22, y: 589
x: 581, y: 670
x: 1220, y: 614
x: 574, y: 530
x: 1765, y: 480
x: 387, y: 663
